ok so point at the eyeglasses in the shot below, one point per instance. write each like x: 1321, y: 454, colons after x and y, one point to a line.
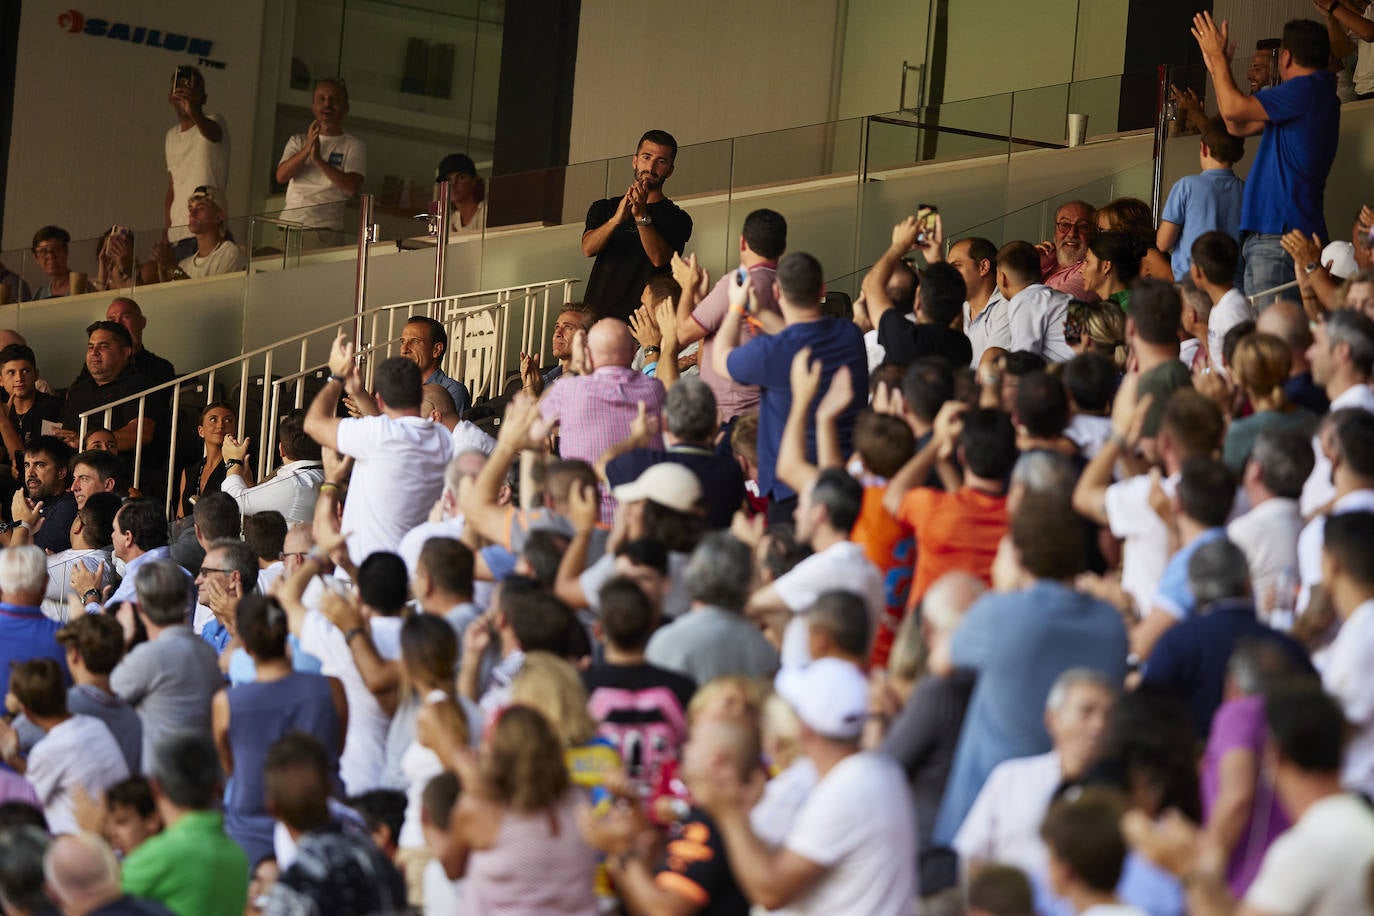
x: 49, y: 251
x: 1082, y: 226
x: 301, y: 555
x: 211, y: 569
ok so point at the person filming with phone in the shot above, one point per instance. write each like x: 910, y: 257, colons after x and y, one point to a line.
x: 197, y: 152
x: 323, y: 168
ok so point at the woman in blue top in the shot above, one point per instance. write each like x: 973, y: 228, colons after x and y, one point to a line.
x: 248, y: 718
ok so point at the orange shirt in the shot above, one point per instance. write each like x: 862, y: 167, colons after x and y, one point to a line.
x: 959, y: 530
x: 889, y: 546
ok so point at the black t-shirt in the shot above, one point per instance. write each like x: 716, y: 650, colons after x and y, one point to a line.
x: 57, y: 513
x: 30, y: 425
x: 622, y: 268
x: 722, y: 482
x: 643, y: 712
x: 85, y: 395
x: 155, y: 367
x: 906, y: 342
x: 694, y: 867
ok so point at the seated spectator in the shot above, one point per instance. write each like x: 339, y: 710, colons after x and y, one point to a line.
x: 218, y: 420
x: 1348, y: 440
x: 1090, y: 380
x: 640, y: 708
x: 572, y: 317
x: 83, y: 877
x: 117, y: 267
x: 216, y: 517
x: 228, y: 574
x: 214, y: 253
x: 12, y: 287
x: 1210, y: 200
x: 111, y: 375
x: 1268, y: 533
x: 75, y: 751
x: 1350, y: 583
x: 249, y: 718
x: 861, y: 797
x: 171, y: 678
x: 425, y: 341
x: 100, y: 439
x: 50, y: 252
x: 25, y: 633
x: 94, y: 644
x: 1061, y: 260
x: 1133, y: 217
x: 1193, y: 351
x: 689, y: 413
x: 265, y: 535
x: 21, y: 877
x: 1286, y: 320
x: 1036, y: 312
x: 1000, y: 890
x: 292, y: 489
x: 958, y: 527
x: 437, y: 405
x: 1191, y: 659
x: 1259, y: 367
x: 46, y: 507
x: 127, y: 312
x: 1020, y: 643
x: 191, y: 866
x: 131, y: 816
x: 1092, y: 327
x: 1111, y: 266
x: 714, y: 638
x: 1004, y: 823
x: 31, y: 413
x: 467, y: 194
x: 1342, y: 359
x: 1087, y: 853
x: 502, y: 819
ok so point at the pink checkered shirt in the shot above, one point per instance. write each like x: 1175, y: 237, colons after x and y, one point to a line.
x: 595, y: 411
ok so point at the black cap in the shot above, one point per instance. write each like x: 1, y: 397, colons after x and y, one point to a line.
x: 455, y: 162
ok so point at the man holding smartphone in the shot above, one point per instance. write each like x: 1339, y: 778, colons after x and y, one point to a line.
x: 197, y: 152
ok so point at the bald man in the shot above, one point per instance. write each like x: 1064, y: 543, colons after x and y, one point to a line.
x: 596, y: 403
x: 82, y: 876
x: 1286, y: 320
x: 436, y: 404
x: 127, y: 312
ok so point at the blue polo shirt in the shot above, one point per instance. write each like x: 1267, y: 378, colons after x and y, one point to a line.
x: 1285, y: 185
x: 1174, y: 595
x: 767, y: 362
x: 1210, y: 200
x: 1191, y: 659
x: 25, y: 633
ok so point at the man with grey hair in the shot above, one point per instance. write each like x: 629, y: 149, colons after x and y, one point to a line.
x: 714, y: 638
x: 21, y: 869
x: 1342, y: 358
x: 689, y: 415
x: 170, y: 679
x: 1191, y: 658
x: 25, y: 632
x: 229, y: 571
x: 1004, y: 823
x: 82, y: 875
x: 1272, y: 481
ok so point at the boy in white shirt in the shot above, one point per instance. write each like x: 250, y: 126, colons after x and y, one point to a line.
x: 1214, y: 271
x: 1087, y: 852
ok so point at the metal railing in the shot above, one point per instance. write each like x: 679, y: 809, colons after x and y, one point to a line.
x: 482, y: 347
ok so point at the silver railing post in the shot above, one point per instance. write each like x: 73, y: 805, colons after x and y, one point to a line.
x: 360, y: 284
x: 1161, y: 138
x: 441, y: 248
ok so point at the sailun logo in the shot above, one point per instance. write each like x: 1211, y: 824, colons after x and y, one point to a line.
x: 76, y: 22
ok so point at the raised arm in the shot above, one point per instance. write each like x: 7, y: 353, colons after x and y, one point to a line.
x: 875, y: 281
x: 583, y: 508
x: 481, y: 502
x: 695, y: 283
x: 1244, y: 115
x: 793, y: 467
x: 742, y: 299
x: 948, y: 423
x: 1128, y: 418
x: 638, y: 438
x: 320, y: 422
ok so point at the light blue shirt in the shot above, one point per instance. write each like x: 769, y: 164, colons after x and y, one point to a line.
x: 455, y: 388
x: 126, y: 592
x: 1210, y: 200
x: 1174, y: 595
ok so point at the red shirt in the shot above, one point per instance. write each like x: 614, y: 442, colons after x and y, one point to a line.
x: 954, y: 531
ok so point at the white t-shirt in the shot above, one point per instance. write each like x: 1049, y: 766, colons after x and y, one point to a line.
x: 78, y: 752
x: 398, y: 476
x: 313, y: 190
x: 420, y: 765
x: 1004, y: 823
x: 1345, y: 675
x: 1036, y: 317
x: 1319, y: 490
x: 225, y: 259
x: 1113, y: 909
x: 468, y: 437
x: 474, y: 226
x: 1313, y: 537
x: 1145, y: 552
x: 364, y: 753
x: 1230, y: 310
x: 859, y: 822
x: 841, y: 566
x: 1364, y: 62
x: 772, y: 817
x: 1268, y: 536
x: 443, y: 897
x: 1089, y: 432
x: 193, y: 161
x: 1320, y: 865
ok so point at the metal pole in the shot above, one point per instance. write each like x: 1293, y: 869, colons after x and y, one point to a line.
x: 360, y: 286
x: 441, y: 249
x: 1161, y: 137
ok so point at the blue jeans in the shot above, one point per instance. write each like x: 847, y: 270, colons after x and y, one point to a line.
x: 1267, y: 265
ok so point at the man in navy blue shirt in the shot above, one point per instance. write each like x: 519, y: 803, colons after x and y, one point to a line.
x: 1299, y: 124
x: 767, y: 362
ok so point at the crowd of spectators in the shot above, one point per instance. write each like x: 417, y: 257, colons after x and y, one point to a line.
x: 1037, y: 583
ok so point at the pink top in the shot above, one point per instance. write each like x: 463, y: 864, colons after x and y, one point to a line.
x: 540, y: 864
x: 1070, y: 280
x: 732, y: 398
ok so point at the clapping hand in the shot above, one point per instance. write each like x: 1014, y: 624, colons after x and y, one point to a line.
x: 644, y: 327
x: 341, y: 353
x: 584, y: 507
x: 1212, y: 39
x: 837, y: 397
x: 690, y: 275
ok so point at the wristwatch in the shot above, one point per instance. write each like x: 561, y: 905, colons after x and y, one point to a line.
x: 232, y: 462
x: 86, y: 595
x: 356, y: 631
x: 644, y: 220
x: 1312, y: 266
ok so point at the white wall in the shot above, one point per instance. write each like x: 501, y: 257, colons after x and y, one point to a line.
x: 702, y: 71
x: 90, y: 113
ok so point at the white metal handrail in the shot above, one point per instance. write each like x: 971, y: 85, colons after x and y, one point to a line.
x: 480, y: 348
x: 1273, y: 290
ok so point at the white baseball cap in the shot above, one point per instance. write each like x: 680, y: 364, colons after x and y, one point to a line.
x: 829, y: 695
x: 667, y: 483
x: 1339, y: 258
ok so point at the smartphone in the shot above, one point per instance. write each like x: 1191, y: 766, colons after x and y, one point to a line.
x: 925, y: 216
x: 184, y: 77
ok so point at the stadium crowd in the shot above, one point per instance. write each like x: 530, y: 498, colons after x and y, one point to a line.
x: 1036, y: 580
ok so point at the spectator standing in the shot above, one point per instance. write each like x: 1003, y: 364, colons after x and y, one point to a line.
x: 1036, y: 312
x: 572, y: 317
x: 1342, y: 360
x: 295, y: 486
x: 985, y: 311
x: 324, y: 167
x: 938, y: 299
x: 1299, y: 124
x: 197, y: 153
x: 1268, y: 533
x: 48, y: 506
x: 1214, y: 256
x: 1287, y: 321
x: 635, y: 236
x: 1209, y: 200
x: 1350, y: 583
x: 94, y: 644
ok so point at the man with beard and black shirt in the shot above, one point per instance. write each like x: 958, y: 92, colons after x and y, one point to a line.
x: 634, y: 236
x: 48, y: 507
x: 28, y: 409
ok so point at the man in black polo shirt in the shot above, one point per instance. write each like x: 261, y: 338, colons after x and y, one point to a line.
x: 634, y: 237
x: 109, y: 376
